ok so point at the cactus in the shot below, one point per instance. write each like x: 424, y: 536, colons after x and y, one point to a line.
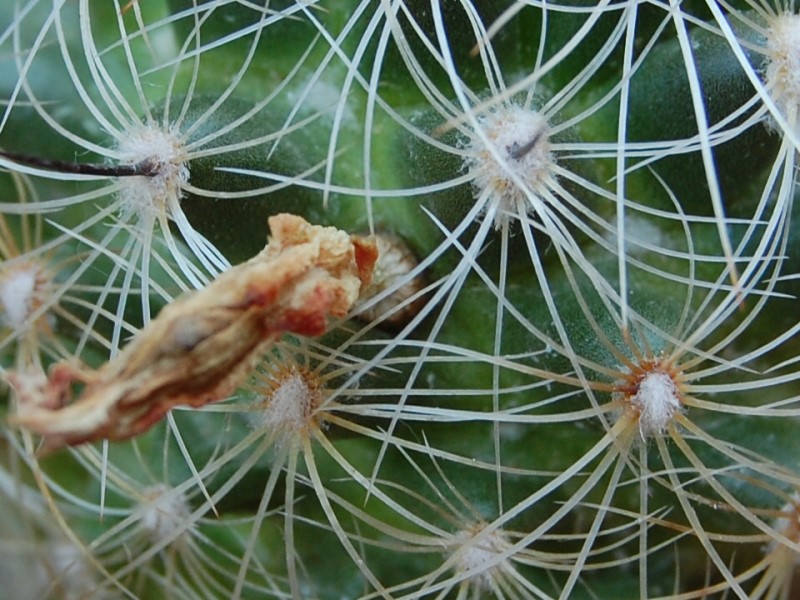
x: 573, y: 373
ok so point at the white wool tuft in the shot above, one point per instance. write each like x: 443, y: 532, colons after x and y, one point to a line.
x: 783, y: 67
x: 289, y: 406
x: 521, y: 138
x: 17, y: 296
x: 164, y: 512
x: 474, y: 555
x: 657, y: 401
x: 164, y: 151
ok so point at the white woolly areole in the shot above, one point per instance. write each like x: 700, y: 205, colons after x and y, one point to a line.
x: 66, y: 566
x: 289, y: 406
x: 783, y: 68
x: 657, y: 400
x: 20, y: 294
x: 521, y: 138
x: 474, y: 555
x: 164, y: 512
x: 165, y: 154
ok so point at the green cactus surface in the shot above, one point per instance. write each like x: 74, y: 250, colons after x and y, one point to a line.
x: 574, y: 371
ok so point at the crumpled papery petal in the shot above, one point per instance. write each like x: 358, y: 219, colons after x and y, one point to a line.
x: 202, y: 346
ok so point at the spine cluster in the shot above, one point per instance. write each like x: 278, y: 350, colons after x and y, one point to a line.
x: 399, y: 299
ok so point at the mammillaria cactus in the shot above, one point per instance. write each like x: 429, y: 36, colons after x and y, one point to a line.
x: 572, y: 372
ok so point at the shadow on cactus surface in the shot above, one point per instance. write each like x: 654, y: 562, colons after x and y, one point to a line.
x: 575, y: 374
